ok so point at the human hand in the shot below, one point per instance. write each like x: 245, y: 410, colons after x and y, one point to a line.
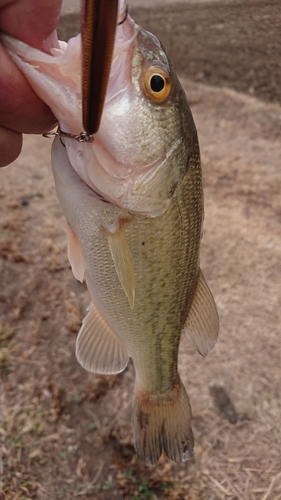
x: 21, y: 110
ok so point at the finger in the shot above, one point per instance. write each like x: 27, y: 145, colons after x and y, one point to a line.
x: 10, y: 146
x: 20, y: 108
x: 39, y: 19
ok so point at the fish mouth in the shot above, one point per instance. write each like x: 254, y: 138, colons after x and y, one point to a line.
x: 118, y: 175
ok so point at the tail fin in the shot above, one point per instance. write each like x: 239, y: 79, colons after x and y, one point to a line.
x: 162, y: 423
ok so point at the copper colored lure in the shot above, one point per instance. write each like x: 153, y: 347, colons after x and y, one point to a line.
x: 98, y: 23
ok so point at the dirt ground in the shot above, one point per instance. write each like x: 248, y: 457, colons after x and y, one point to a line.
x: 65, y: 433
x: 233, y: 43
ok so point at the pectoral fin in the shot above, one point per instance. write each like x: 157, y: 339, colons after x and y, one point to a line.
x: 202, y: 324
x: 98, y: 349
x: 123, y: 262
x: 75, y: 256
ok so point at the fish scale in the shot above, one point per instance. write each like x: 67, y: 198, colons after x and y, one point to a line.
x: 150, y: 318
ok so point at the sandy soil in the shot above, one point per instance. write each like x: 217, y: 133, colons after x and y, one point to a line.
x: 65, y: 433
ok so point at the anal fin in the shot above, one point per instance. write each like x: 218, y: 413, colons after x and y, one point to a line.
x: 98, y: 348
x: 202, y: 323
x: 123, y: 262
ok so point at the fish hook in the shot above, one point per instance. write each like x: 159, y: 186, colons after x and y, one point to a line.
x: 82, y: 137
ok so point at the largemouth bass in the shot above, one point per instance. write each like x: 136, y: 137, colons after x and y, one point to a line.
x: 133, y: 202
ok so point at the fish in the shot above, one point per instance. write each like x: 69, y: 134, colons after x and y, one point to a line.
x: 133, y: 201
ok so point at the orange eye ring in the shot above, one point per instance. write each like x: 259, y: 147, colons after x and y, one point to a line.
x: 156, y: 83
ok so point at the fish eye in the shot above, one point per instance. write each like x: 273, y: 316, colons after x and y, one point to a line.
x: 156, y: 83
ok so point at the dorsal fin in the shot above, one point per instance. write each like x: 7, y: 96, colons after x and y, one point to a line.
x: 202, y: 323
x: 123, y: 262
x: 98, y: 349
